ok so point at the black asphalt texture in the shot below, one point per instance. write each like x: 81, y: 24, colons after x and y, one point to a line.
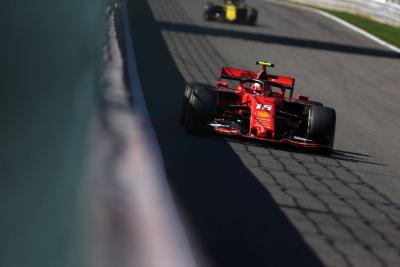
x: 253, y: 204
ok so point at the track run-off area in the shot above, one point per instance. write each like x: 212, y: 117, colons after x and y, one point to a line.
x: 251, y: 204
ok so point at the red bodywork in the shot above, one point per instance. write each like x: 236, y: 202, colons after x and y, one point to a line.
x: 263, y: 112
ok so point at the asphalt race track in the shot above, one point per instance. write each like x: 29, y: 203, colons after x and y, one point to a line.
x: 248, y: 204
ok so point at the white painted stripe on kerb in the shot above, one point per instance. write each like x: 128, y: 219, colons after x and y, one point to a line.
x: 161, y: 239
x: 342, y: 22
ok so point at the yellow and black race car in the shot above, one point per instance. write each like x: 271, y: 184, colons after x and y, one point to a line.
x: 235, y: 11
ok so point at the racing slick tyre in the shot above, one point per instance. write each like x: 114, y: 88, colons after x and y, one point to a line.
x: 199, y: 106
x: 252, y: 17
x: 315, y: 103
x: 310, y: 104
x: 185, y: 104
x: 207, y: 15
x: 321, y: 127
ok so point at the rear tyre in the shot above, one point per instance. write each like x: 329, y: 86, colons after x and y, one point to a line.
x: 309, y: 105
x: 315, y: 103
x: 321, y: 127
x: 185, y: 104
x: 252, y: 17
x: 199, y: 106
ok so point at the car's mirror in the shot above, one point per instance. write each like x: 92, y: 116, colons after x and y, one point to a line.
x: 222, y: 84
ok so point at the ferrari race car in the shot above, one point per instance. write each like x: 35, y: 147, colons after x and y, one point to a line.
x: 236, y: 11
x: 258, y: 106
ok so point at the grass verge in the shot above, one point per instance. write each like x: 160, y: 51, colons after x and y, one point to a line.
x: 386, y: 32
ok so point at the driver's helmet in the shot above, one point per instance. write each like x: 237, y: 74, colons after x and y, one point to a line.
x: 256, y: 88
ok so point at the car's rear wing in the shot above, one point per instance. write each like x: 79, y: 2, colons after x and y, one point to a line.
x: 236, y: 74
x: 283, y: 82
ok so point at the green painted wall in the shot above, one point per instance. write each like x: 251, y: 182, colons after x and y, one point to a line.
x: 50, y: 59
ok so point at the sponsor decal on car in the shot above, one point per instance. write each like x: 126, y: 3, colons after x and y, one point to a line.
x: 264, y: 124
x: 262, y: 114
x: 264, y: 107
x: 299, y: 138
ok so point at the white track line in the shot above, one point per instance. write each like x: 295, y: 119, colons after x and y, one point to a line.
x: 160, y: 233
x: 342, y: 22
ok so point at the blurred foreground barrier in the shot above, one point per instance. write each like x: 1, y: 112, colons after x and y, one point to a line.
x: 385, y: 11
x: 50, y: 55
x: 133, y: 220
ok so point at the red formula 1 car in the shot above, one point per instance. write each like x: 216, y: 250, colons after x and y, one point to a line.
x: 258, y: 106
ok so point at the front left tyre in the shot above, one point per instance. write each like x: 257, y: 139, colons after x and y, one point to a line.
x: 199, y: 106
